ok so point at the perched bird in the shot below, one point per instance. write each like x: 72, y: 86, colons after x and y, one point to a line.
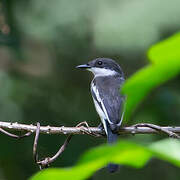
x: 105, y: 90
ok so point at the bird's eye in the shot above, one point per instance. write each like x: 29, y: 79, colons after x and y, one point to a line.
x: 99, y: 62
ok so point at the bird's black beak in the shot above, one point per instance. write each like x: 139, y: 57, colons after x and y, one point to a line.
x: 83, y: 66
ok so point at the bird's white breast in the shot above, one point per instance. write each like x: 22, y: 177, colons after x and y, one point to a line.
x: 100, y: 110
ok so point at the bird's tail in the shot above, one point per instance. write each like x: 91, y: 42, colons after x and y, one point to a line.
x: 111, y: 139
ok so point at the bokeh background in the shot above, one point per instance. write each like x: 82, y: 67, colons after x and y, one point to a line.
x: 42, y: 41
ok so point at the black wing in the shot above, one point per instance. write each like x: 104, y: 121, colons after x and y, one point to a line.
x: 110, y: 99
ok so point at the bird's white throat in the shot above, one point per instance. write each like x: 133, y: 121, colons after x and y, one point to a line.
x: 102, y: 71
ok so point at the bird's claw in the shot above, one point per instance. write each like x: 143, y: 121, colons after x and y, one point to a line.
x: 84, y: 127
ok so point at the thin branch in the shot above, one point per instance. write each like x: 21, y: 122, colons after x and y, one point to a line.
x: 14, y: 135
x: 44, y: 163
x: 158, y: 128
x: 81, y: 128
x: 61, y: 150
x: 35, y: 155
x: 84, y: 130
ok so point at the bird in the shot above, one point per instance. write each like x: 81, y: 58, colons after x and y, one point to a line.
x: 108, y: 100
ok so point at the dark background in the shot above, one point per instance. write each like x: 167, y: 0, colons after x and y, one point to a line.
x: 42, y: 41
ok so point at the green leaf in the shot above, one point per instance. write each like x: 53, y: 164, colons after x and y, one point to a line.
x: 123, y: 152
x: 165, y: 64
x: 167, y: 150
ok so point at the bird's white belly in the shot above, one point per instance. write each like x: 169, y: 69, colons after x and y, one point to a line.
x: 101, y: 114
x: 99, y: 110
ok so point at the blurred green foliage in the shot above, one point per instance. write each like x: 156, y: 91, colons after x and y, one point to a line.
x: 124, y: 152
x: 165, y: 64
x: 42, y: 41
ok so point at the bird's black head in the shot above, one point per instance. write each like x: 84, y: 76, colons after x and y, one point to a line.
x: 102, y: 67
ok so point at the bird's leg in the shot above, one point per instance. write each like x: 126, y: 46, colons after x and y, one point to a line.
x: 114, y: 128
x: 100, y: 126
x: 83, y: 125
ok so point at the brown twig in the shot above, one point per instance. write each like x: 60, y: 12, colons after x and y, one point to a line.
x: 35, y: 155
x: 79, y: 130
x: 158, y: 128
x: 44, y: 163
x: 15, y: 135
